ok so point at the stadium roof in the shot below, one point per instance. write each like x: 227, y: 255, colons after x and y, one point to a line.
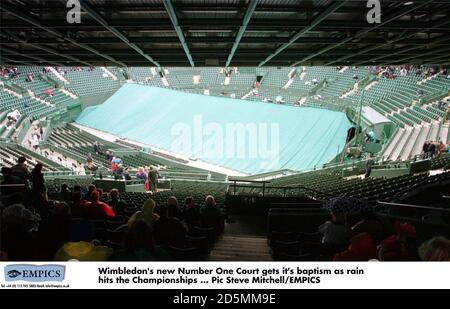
x: 224, y: 32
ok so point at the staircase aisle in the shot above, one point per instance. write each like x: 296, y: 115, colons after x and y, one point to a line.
x: 241, y: 248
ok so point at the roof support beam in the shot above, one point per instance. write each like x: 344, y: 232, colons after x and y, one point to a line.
x: 336, y: 5
x: 361, y: 33
x: 6, y: 60
x: 401, y: 37
x: 248, y: 15
x: 42, y: 60
x: 31, y: 20
x: 444, y: 51
x: 116, y: 32
x: 46, y: 49
x: 173, y: 17
x: 405, y: 50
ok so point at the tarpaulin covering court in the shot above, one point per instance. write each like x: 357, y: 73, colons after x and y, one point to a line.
x: 247, y: 136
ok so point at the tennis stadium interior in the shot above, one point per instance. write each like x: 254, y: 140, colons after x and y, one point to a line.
x: 226, y: 130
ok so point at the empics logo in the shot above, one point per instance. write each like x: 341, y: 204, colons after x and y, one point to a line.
x: 34, y: 273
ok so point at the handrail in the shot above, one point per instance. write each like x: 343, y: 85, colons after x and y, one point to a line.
x: 414, y: 206
x: 264, y: 187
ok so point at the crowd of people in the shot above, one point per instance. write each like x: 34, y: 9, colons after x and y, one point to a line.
x: 37, y: 227
x: 345, y: 238
x: 433, y: 150
x: 70, y: 225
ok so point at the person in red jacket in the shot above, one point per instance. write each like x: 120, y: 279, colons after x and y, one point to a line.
x: 98, y: 209
x: 362, y: 248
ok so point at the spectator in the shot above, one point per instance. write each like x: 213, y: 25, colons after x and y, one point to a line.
x: 126, y: 174
x: 425, y: 147
x: 9, y: 179
x: 402, y: 246
x: 370, y: 225
x: 147, y: 213
x: 369, y: 164
x: 362, y: 248
x: 435, y: 249
x: 141, y: 174
x: 20, y: 170
x: 191, y: 213
x: 98, y: 148
x: 335, y: 233
x: 116, y: 202
x: 211, y: 216
x: 440, y: 149
x: 37, y: 179
x: 108, y: 155
x: 65, y: 194
x: 90, y: 190
x: 173, y: 209
x: 153, y: 179
x: 169, y: 231
x: 18, y: 226
x: 55, y: 232
x: 97, y: 209
x: 76, y: 207
x: 431, y: 150
x: 139, y: 244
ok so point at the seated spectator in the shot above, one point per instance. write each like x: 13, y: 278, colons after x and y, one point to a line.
x: 362, y: 248
x: 77, y: 206
x: 169, y: 231
x: 116, y: 202
x: 402, y: 246
x: 97, y: 209
x: 37, y: 178
x: 370, y: 225
x: 18, y: 227
x: 211, y: 216
x: 437, y: 249
x: 139, y: 245
x: 10, y: 184
x: 191, y: 213
x: 90, y: 190
x: 335, y: 232
x: 173, y: 209
x: 21, y: 171
x: 55, y: 231
x: 108, y: 155
x: 65, y: 194
x: 146, y: 213
x: 98, y: 148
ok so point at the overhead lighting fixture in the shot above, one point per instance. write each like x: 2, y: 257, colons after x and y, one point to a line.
x: 408, y: 3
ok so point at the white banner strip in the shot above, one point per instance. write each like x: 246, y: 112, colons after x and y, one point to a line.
x: 226, y: 275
